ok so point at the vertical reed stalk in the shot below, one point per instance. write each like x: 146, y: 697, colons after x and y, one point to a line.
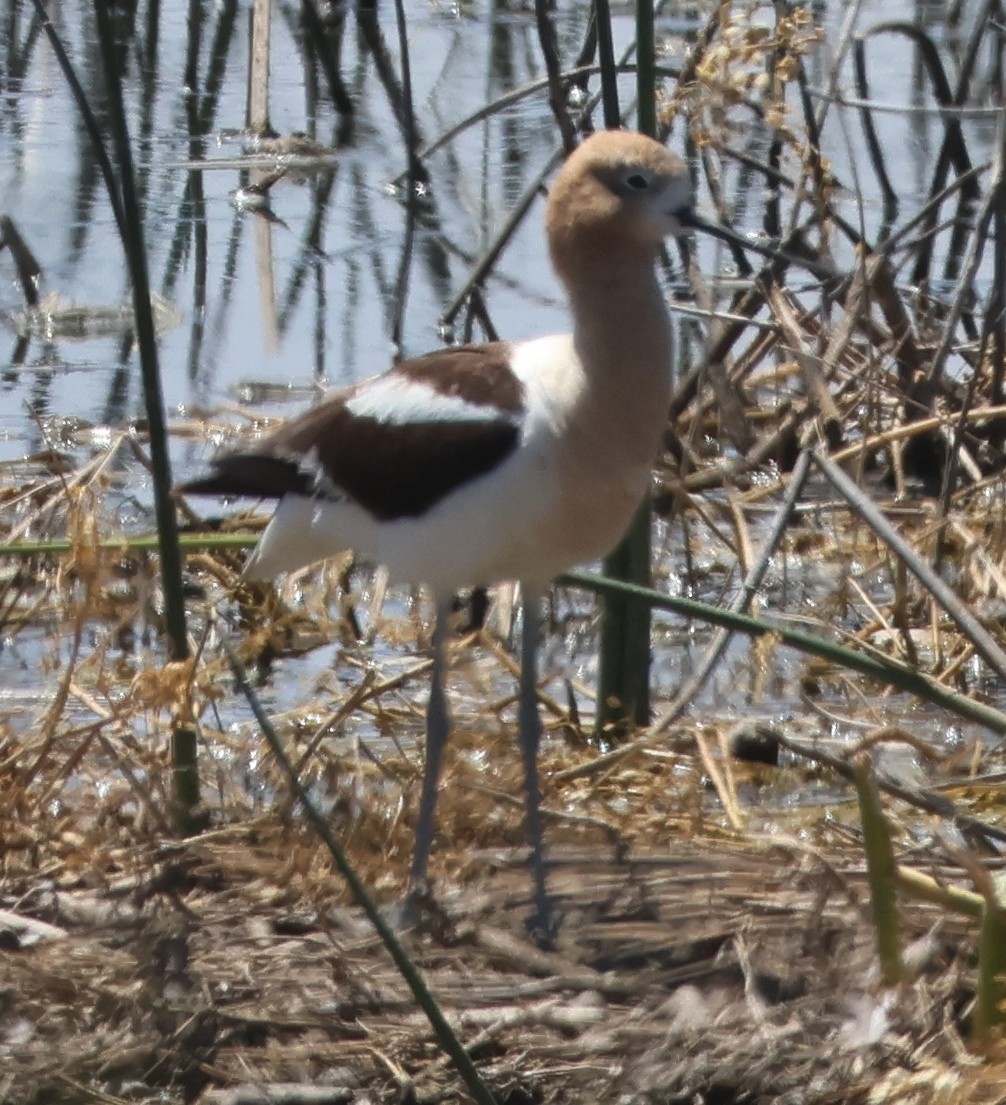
x: 609, y: 67
x: 411, y: 182
x: 881, y: 871
x: 553, y: 67
x: 990, y: 997
x: 646, y: 60
x: 258, y: 70
x: 194, y: 29
x: 623, y: 692
x: 183, y: 745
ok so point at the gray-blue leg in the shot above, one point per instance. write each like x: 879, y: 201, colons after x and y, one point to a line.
x: 438, y: 726
x: 529, y: 733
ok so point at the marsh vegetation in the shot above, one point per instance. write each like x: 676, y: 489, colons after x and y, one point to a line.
x: 784, y: 887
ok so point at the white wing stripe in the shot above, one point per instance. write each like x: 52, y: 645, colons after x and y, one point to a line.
x: 398, y: 401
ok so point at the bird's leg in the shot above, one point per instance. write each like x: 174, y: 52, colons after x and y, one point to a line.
x: 529, y: 731
x: 438, y: 726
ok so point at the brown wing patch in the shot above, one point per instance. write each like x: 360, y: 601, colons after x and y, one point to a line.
x: 479, y: 374
x: 391, y: 469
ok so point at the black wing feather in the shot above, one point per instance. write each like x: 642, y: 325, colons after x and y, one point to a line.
x: 391, y: 469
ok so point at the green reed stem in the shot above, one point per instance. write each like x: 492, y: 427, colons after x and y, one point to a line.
x: 990, y: 995
x: 883, y: 670
x: 646, y: 77
x: 924, y: 888
x: 623, y: 685
x: 881, y: 871
x: 184, y: 766
x: 144, y: 542
x: 609, y: 66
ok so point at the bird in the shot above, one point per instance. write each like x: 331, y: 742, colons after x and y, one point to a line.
x: 501, y: 461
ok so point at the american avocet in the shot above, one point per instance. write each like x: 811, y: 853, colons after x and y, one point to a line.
x: 503, y: 461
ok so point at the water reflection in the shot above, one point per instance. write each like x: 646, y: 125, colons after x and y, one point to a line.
x: 318, y: 292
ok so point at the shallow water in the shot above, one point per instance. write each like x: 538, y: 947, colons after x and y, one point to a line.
x: 325, y: 316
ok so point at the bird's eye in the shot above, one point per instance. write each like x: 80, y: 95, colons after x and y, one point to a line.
x: 638, y: 182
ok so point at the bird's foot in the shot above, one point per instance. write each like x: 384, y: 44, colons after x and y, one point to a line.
x: 541, y: 927
x: 420, y: 910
